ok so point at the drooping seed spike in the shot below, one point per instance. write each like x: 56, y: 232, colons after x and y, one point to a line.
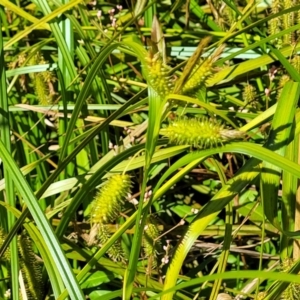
x: 200, y: 133
x: 151, y: 245
x: 6, y: 255
x: 201, y: 72
x: 292, y: 292
x: 109, y: 201
x: 31, y: 269
x: 249, y: 93
x: 115, y: 252
x: 158, y: 76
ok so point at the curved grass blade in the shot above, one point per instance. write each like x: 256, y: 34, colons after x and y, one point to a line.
x: 64, y: 163
x: 22, y: 13
x: 8, y: 220
x: 83, y: 95
x: 229, y: 73
x: 278, y: 139
x: 40, y: 22
x: 287, y: 278
x: 156, y: 105
x: 43, y: 224
x: 52, y: 271
x: 213, y: 207
x: 233, y: 187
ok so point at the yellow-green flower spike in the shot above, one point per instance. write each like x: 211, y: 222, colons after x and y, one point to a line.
x: 42, y: 81
x: 151, y: 244
x: 31, y: 269
x: 275, y: 24
x: 41, y: 89
x: 292, y: 292
x: 201, y: 72
x: 158, y: 76
x: 115, y: 252
x: 296, y: 62
x: 249, y: 93
x: 109, y: 201
x: 200, y: 133
x: 288, y: 20
x: 6, y: 255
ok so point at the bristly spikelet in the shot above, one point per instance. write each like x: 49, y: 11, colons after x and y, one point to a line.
x: 262, y: 295
x: 274, y: 28
x: 296, y: 63
x: 31, y: 269
x: 109, y: 201
x: 201, y: 72
x: 200, y: 133
x: 43, y: 81
x: 6, y: 255
x: 151, y: 244
x: 249, y: 93
x: 288, y: 20
x: 158, y: 76
x: 115, y: 252
x: 292, y: 292
x: 297, y: 18
x: 229, y: 15
x: 41, y: 89
x: 275, y: 24
x: 276, y: 6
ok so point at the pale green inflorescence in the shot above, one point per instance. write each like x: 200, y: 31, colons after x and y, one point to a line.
x: 31, y: 269
x: 106, y: 208
x: 249, y: 93
x: 115, y: 252
x: 110, y: 199
x: 292, y: 292
x: 158, y: 76
x: 201, y: 72
x: 151, y: 244
x: 200, y: 133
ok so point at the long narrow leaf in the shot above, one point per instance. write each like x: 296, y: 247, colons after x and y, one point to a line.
x: 43, y: 225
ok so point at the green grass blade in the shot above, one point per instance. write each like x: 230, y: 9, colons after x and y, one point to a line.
x: 9, y: 188
x: 198, y: 11
x: 64, y: 163
x: 286, y: 278
x: 222, y: 261
x: 290, y: 69
x: 67, y: 77
x: 52, y: 271
x: 244, y: 176
x: 155, y: 112
x: 229, y: 73
x: 41, y: 22
x: 59, y: 38
x: 277, y: 141
x: 83, y: 95
x: 43, y: 225
x: 22, y: 13
x: 289, y: 191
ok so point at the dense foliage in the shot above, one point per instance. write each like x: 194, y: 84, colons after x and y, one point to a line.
x: 149, y: 149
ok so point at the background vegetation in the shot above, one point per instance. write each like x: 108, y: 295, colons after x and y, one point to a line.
x: 149, y: 150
